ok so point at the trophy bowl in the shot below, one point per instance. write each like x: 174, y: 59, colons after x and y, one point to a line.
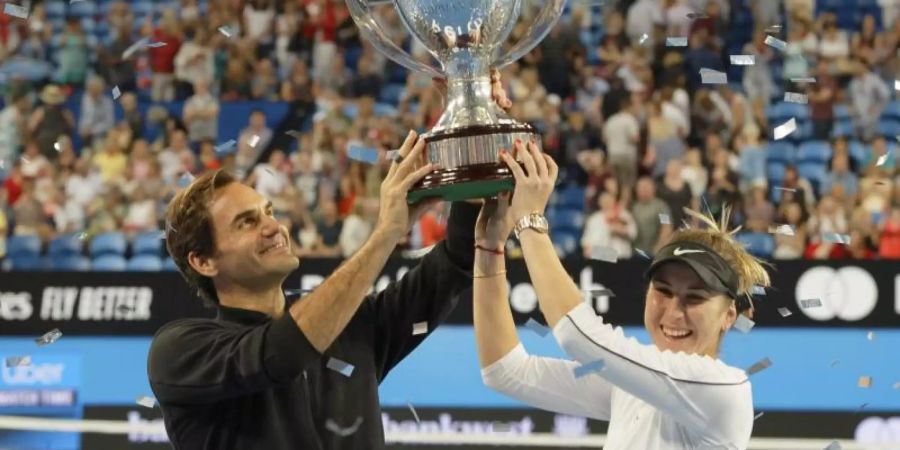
x: 466, y: 39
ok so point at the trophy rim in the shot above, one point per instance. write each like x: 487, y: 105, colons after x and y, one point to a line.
x: 477, y: 130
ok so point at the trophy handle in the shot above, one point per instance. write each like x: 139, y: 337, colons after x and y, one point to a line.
x: 548, y: 16
x: 372, y: 31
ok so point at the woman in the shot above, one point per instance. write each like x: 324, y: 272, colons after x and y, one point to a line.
x: 673, y: 394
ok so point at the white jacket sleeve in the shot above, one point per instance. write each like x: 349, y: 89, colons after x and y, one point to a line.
x: 701, y: 393
x: 550, y: 384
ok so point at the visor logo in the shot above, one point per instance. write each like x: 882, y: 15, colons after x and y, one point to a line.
x: 678, y: 251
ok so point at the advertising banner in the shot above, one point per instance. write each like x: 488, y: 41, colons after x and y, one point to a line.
x: 857, y: 294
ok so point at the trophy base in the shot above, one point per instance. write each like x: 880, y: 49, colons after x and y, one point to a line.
x: 464, y: 183
x: 470, y: 161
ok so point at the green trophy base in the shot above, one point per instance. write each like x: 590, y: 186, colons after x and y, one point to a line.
x: 464, y: 183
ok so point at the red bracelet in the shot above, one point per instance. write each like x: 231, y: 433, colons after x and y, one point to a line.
x: 489, y: 250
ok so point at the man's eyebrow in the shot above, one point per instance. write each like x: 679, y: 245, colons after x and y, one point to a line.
x: 248, y: 213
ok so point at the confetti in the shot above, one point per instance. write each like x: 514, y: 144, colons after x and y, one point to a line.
x: 116, y: 93
x: 535, y: 326
x: 146, y: 402
x: 156, y: 44
x: 795, y: 97
x: 834, y: 363
x: 836, y: 238
x: 84, y: 236
x: 865, y: 382
x: 16, y: 11
x: 665, y: 219
x: 57, y: 147
x: 782, y: 131
x: 804, y: 80
x: 585, y: 369
x: 784, y: 312
x: 897, y: 85
x: 758, y: 290
x: 134, y: 48
x: 676, y: 42
x: 602, y: 292
x: 861, y: 407
x: 743, y: 324
x: 834, y: 445
x: 784, y: 229
x: 810, y: 303
x: 368, y: 155
x: 341, y: 367
x: 695, y: 16
x: 642, y: 253
x: 185, y: 179
x: 776, y: 43
x: 759, y: 366
x: 49, y: 337
x: 16, y: 361
x: 758, y: 415
x: 293, y: 292
x: 226, y: 146
x: 413, y: 410
x: 785, y: 189
x: 883, y: 159
x: 294, y: 134
x: 253, y: 140
x: 743, y: 60
x: 418, y: 253
x: 870, y: 335
x: 420, y: 328
x: 392, y: 154
x: 773, y: 29
x: 226, y: 31
x: 709, y: 76
x: 605, y: 254
x: 643, y: 39
x: 343, y: 432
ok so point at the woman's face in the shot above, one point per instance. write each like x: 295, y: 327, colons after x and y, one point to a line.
x: 681, y: 315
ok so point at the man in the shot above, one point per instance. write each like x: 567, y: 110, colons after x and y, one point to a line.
x: 201, y: 113
x: 622, y: 135
x: 268, y: 373
x: 97, y: 113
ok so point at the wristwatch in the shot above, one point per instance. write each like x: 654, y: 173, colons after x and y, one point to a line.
x: 536, y: 221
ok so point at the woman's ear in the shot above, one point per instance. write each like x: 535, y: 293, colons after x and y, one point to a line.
x: 730, y: 315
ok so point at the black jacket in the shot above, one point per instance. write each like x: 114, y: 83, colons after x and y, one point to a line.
x: 244, y: 381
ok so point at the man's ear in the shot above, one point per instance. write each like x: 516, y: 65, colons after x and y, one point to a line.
x: 204, y: 265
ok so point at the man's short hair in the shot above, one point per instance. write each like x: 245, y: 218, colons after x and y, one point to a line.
x: 189, y: 228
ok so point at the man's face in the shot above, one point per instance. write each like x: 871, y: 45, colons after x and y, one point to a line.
x: 252, y: 248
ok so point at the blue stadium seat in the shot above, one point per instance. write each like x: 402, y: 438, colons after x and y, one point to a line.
x: 761, y: 245
x: 841, y: 112
x: 814, y: 151
x: 55, y: 9
x: 384, y: 109
x: 568, y: 219
x: 814, y: 172
x: 888, y: 128
x: 858, y: 152
x: 391, y: 93
x: 169, y: 265
x: 74, y: 263
x: 113, y: 243
x: 148, y: 243
x: 571, y: 197
x: 842, y: 128
x: 781, y: 151
x: 565, y: 242
x: 803, y: 132
x: 65, y: 245
x: 25, y: 262
x: 145, y: 263
x: 83, y: 8
x: 775, y: 172
x: 109, y: 263
x: 892, y: 111
x: 142, y: 8
x: 23, y: 246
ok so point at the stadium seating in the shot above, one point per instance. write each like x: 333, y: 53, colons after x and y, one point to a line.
x: 75, y: 263
x: 145, y: 263
x: 148, y: 243
x: 23, y: 246
x: 108, y: 244
x: 109, y: 263
x: 781, y: 151
x: 814, y: 151
x: 761, y: 245
x: 65, y: 245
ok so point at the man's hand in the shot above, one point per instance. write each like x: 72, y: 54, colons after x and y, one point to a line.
x: 395, y: 216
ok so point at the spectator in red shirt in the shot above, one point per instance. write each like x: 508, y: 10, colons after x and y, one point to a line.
x: 162, y: 59
x: 889, y: 245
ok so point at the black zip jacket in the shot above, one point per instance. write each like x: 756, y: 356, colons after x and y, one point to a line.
x: 244, y: 381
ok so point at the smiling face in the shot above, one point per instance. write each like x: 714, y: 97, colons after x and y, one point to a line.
x: 682, y: 315
x: 252, y: 249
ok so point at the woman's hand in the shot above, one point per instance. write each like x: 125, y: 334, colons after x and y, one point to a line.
x: 533, y: 188
x: 494, y: 223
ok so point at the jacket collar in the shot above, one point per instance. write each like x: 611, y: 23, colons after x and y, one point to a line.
x: 246, y: 316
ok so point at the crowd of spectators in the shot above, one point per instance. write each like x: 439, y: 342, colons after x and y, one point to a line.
x: 627, y: 117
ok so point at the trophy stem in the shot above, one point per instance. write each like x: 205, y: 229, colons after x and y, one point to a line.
x: 469, y: 103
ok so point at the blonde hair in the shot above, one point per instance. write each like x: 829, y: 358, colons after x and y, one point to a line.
x: 750, y: 270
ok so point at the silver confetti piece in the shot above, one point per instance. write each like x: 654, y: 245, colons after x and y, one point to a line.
x: 776, y: 43
x: 16, y: 361
x: 834, y: 363
x: 535, y: 326
x: 642, y: 253
x: 676, y: 42
x: 420, y: 328
x: 758, y: 415
x: 796, y: 97
x: 585, y: 369
x: 418, y: 253
x: 784, y: 312
x: 333, y: 427
x: 293, y: 292
x: 709, y: 76
x: 804, y: 80
x: 605, y: 254
x: 146, y: 402
x: 759, y: 366
x: 49, y: 337
x: 664, y: 219
x: 758, y: 290
x: 773, y: 29
x: 743, y: 324
x: 883, y: 158
x: 784, y: 130
x: 253, y: 140
x: 836, y: 238
x: 413, y: 410
x: 834, y: 445
x: 294, y: 134
x: 133, y: 48
x: 156, y: 44
x: 226, y: 31
x: 785, y: 189
x: 897, y: 85
x: 810, y: 303
x: 594, y: 293
x: 643, y: 39
x: 784, y: 229
x: 870, y: 335
x: 341, y: 367
x: 743, y: 60
x: 226, y: 146
x: 116, y: 93
x: 15, y: 11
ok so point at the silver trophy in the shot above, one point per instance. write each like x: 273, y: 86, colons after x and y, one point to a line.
x: 465, y: 37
